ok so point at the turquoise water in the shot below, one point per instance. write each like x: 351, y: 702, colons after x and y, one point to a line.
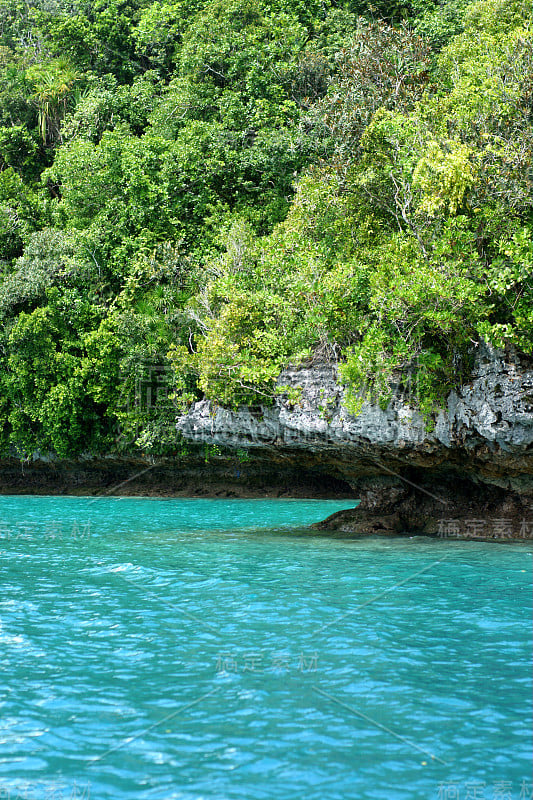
x: 218, y: 649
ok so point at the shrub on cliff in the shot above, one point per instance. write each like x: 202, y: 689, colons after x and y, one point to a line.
x: 413, y: 241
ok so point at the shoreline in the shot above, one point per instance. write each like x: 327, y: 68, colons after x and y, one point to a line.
x: 383, y: 506
x: 168, y: 477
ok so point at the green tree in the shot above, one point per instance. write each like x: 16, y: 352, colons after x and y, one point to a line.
x: 52, y: 83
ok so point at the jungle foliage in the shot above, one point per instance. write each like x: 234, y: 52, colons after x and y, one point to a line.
x: 195, y: 194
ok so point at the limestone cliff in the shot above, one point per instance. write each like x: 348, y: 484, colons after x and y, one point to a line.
x: 471, y: 474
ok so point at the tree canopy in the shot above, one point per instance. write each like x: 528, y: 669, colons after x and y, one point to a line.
x: 195, y: 194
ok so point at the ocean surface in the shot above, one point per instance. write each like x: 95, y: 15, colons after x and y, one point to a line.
x: 156, y: 649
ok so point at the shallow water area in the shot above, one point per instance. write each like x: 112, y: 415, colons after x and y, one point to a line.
x: 198, y: 649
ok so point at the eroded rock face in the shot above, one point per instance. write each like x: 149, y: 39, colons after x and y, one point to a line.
x: 476, y: 461
x: 496, y: 407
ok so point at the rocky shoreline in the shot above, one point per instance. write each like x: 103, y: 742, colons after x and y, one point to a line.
x: 222, y: 476
x: 468, y: 477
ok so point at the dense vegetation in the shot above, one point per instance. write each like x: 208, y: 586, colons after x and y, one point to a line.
x: 194, y: 194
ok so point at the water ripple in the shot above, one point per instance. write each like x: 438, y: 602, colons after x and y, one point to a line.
x: 182, y: 651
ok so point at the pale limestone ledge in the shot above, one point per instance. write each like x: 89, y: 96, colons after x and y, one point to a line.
x: 487, y: 427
